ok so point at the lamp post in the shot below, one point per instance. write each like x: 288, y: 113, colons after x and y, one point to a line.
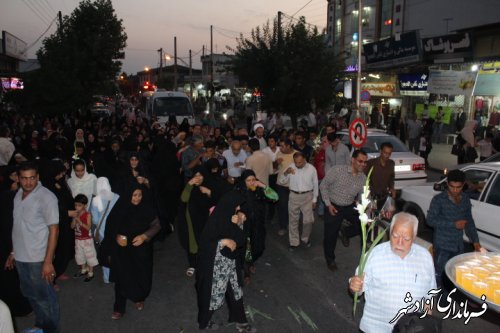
x: 146, y: 69
x: 360, y: 44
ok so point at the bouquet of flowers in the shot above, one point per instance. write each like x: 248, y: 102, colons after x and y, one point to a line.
x: 367, y: 226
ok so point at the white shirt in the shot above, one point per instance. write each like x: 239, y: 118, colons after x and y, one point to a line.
x: 231, y: 159
x: 303, y: 180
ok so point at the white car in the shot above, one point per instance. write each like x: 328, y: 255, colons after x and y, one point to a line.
x: 409, y: 168
x: 483, y: 186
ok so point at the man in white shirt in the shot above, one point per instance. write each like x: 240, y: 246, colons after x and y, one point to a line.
x: 259, y: 162
x: 337, y: 153
x: 235, y: 158
x: 303, y: 183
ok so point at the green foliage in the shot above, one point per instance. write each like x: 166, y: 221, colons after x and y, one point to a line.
x: 81, y: 59
x: 290, y: 70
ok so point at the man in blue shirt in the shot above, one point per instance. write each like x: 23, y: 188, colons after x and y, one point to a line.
x: 450, y: 214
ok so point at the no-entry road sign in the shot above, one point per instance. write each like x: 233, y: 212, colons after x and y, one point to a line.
x: 358, y: 133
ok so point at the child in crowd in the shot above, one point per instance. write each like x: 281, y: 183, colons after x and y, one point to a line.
x: 85, y: 254
x: 485, y: 147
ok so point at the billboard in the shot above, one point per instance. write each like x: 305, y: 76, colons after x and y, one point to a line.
x: 13, y: 46
x: 451, y: 82
x: 393, y: 51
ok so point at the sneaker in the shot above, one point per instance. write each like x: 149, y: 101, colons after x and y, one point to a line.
x: 282, y: 232
x: 80, y: 274
x: 245, y: 328
x: 190, y: 271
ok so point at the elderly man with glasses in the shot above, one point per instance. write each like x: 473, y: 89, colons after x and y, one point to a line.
x: 394, y: 272
x: 340, y: 188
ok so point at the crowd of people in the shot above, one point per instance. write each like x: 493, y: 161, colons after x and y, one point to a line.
x: 102, y: 191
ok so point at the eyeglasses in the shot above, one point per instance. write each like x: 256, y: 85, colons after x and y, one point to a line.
x: 27, y: 178
x: 398, y: 236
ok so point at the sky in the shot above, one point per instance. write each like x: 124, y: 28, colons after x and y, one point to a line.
x: 152, y: 24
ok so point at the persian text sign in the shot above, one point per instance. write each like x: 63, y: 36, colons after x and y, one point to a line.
x: 451, y: 82
x: 448, y: 47
x: 413, y: 82
x: 383, y: 89
x: 391, y: 52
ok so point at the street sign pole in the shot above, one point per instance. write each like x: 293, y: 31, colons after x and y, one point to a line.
x: 360, y: 45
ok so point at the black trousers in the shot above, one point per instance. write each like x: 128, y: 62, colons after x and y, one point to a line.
x: 236, y: 310
x: 332, y: 227
x: 283, y: 193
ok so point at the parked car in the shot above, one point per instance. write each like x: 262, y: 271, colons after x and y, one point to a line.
x: 482, y: 185
x: 492, y: 158
x: 100, y: 110
x: 409, y: 168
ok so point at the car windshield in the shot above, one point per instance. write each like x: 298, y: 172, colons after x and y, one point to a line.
x: 172, y: 106
x: 373, y: 143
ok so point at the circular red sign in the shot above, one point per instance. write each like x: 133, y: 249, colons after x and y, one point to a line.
x: 358, y: 133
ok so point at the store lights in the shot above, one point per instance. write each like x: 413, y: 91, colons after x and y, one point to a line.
x: 474, y: 68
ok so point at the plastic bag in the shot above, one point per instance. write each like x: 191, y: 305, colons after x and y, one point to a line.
x: 388, y: 208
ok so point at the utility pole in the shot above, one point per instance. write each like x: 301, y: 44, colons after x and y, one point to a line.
x: 161, y: 64
x: 212, y: 89
x: 190, y: 75
x: 279, y: 29
x: 59, y: 15
x: 175, y: 63
x: 360, y: 45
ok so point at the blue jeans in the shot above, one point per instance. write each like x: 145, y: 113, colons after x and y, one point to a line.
x: 41, y: 295
x: 441, y: 257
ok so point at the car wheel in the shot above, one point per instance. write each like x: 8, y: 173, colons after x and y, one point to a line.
x: 414, y: 209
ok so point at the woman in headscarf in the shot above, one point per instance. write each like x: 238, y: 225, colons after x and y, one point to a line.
x: 130, y: 227
x: 80, y: 136
x: 134, y: 174
x: 253, y: 191
x: 467, y: 133
x: 10, y: 291
x: 196, y: 200
x: 101, y: 207
x: 218, y: 274
x: 55, y: 180
x: 81, y: 181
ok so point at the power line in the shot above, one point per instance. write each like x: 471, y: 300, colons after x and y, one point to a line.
x: 302, y: 7
x: 49, y: 5
x: 39, y: 37
x: 40, y: 9
x: 35, y: 12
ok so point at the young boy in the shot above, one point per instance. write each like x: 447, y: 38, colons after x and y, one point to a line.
x: 85, y: 254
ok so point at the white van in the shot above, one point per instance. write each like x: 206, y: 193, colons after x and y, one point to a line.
x: 164, y: 104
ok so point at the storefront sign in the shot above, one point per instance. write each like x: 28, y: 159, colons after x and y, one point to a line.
x: 413, y: 82
x: 488, y: 80
x: 392, y: 52
x: 449, y: 48
x: 383, y: 89
x: 11, y: 83
x: 451, y: 82
x: 433, y: 109
x: 13, y: 46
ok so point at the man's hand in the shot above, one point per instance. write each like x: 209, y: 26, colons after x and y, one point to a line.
x: 460, y: 224
x: 48, y: 272
x: 205, y: 190
x: 9, y: 263
x: 356, y: 283
x: 290, y: 170
x: 332, y: 210
x: 477, y: 247
x: 138, y: 240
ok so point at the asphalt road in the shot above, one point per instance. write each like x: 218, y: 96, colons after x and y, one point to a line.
x: 291, y: 292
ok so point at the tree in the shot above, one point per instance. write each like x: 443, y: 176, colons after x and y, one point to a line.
x: 81, y: 59
x: 290, y: 70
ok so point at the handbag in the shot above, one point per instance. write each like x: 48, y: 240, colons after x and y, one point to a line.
x: 457, y: 149
x: 102, y: 258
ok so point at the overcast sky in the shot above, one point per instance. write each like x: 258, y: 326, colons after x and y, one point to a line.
x: 152, y: 24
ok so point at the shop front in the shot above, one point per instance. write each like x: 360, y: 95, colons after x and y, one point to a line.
x: 486, y: 98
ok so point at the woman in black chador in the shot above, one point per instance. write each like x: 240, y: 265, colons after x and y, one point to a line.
x: 218, y: 273
x: 130, y: 226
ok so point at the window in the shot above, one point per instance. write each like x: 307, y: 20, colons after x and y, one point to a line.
x: 475, y: 180
x: 494, y: 193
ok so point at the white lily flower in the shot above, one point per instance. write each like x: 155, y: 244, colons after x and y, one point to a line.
x: 360, y: 208
x: 363, y: 218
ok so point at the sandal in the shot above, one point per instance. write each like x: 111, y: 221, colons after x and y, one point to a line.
x: 116, y: 315
x: 139, y: 306
x: 190, y: 271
